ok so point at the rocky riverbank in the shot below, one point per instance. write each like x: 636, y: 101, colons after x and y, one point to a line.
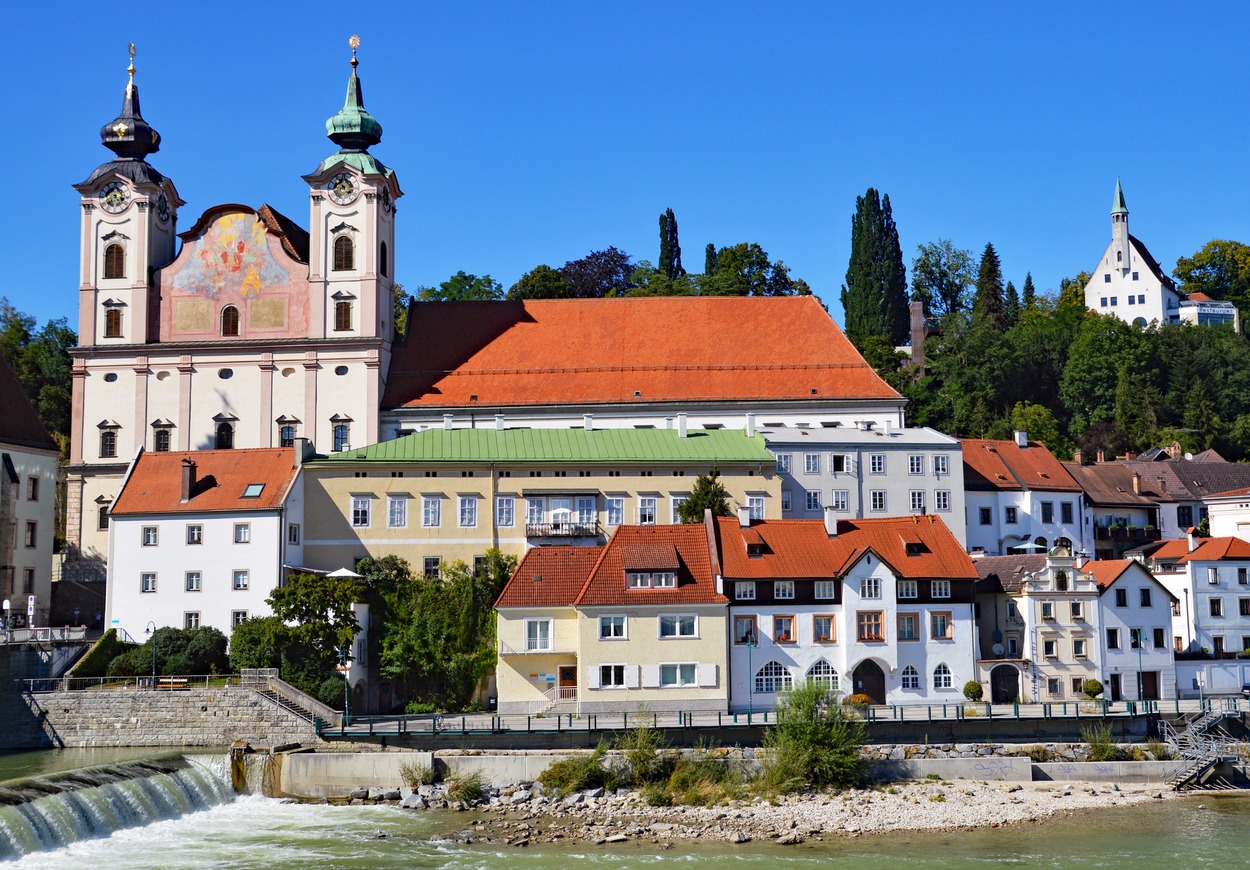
x: 523, y: 813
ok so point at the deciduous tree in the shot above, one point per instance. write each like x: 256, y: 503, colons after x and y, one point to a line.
x: 941, y: 276
x: 541, y: 282
x: 463, y: 287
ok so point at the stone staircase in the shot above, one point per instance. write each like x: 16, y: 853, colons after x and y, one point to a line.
x: 289, y: 706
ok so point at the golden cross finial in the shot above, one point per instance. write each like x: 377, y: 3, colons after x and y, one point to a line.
x: 354, y: 42
x: 131, y: 69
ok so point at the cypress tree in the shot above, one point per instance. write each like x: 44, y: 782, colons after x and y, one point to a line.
x: 988, y: 306
x: 1028, y: 296
x: 1011, y: 305
x: 709, y: 260
x: 874, y: 296
x: 670, y: 251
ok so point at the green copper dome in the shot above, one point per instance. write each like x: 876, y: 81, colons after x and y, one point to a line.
x: 1118, y: 205
x: 353, y: 128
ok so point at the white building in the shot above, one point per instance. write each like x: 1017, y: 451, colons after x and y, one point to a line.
x: 1128, y: 282
x: 28, y: 460
x: 201, y: 539
x: 1136, y: 615
x: 869, y: 471
x: 881, y: 607
x: 1229, y: 514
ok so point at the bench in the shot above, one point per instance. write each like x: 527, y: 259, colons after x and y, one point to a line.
x: 169, y: 684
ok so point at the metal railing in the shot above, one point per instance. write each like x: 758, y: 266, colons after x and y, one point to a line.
x: 44, y: 635
x: 162, y: 683
x: 562, y: 530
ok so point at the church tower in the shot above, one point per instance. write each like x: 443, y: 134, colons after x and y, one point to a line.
x: 352, y: 228
x: 1119, y: 232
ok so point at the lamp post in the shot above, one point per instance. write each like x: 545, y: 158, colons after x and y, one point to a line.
x: 1141, y: 641
x: 343, y: 667
x: 752, y: 643
x: 151, y: 629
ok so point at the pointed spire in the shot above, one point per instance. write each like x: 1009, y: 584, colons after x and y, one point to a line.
x: 1118, y: 205
x: 128, y: 135
x: 353, y: 128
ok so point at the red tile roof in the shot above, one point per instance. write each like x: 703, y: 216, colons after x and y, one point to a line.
x: 696, y: 583
x: 637, y: 350
x: 1004, y: 465
x: 1215, y: 549
x: 1169, y: 550
x: 155, y: 483
x: 801, y: 548
x: 563, y: 571
x: 1107, y: 571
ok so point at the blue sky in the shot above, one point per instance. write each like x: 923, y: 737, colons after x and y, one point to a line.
x: 535, y: 133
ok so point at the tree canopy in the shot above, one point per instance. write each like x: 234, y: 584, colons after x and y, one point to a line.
x: 463, y: 287
x: 669, y: 264
x: 941, y: 277
x: 989, y: 305
x: 708, y: 493
x: 874, y: 297
x: 39, y: 358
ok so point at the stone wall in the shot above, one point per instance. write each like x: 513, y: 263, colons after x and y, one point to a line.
x: 194, y: 717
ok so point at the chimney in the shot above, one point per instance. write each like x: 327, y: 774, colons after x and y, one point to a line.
x: 188, y: 478
x: 831, y: 522
x: 889, y: 428
x: 499, y: 422
x: 681, y: 425
x: 1078, y: 457
x: 303, y: 449
x: 1130, y: 455
x: 917, y: 336
x: 1100, y: 457
x: 1022, y: 438
x: 1163, y: 485
x: 1136, y: 483
x: 447, y: 418
x: 1193, y: 539
x: 668, y: 422
x: 744, y: 517
x: 750, y: 424
x: 588, y: 422
x: 1080, y: 561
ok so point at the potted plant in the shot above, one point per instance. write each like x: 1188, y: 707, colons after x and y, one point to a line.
x: 1091, y: 689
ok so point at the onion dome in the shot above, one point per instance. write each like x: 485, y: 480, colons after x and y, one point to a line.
x: 353, y: 128
x: 128, y: 135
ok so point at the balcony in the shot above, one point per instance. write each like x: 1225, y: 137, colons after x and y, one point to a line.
x: 566, y: 529
x: 1127, y: 534
x: 536, y: 647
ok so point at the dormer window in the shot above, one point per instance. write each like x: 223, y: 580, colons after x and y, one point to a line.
x: 344, y: 254
x: 755, y: 550
x: 651, y: 579
x: 115, y: 261
x: 229, y: 320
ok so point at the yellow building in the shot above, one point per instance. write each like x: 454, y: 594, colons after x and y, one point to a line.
x: 634, y: 625
x: 443, y: 495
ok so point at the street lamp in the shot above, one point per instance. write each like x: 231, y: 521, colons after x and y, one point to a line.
x: 343, y: 668
x: 752, y: 643
x: 1141, y: 641
x: 151, y: 629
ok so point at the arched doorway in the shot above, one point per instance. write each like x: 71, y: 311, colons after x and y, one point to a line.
x: 1004, y: 684
x: 870, y: 680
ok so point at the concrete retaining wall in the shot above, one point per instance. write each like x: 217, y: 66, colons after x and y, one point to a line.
x: 334, y: 774
x: 1101, y: 771
x: 1018, y: 769
x: 195, y: 717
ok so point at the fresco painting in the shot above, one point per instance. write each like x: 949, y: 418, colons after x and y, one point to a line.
x: 232, y: 256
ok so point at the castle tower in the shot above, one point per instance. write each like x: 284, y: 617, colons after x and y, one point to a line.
x: 1119, y: 231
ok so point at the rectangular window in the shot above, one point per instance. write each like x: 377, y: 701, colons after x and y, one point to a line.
x: 1054, y: 687
x: 876, y: 499
x: 241, y: 580
x: 611, y: 628
x: 191, y: 619
x: 1048, y: 511
x: 1050, y: 649
x: 744, y: 590
x: 1114, y: 301
x: 942, y: 500
x: 1012, y: 613
x: 102, y: 518
x: 783, y: 629
x: 397, y: 511
x: 1241, y: 576
x: 1078, y: 648
x: 195, y: 535
x: 1217, y: 643
x: 505, y: 511
x: 611, y: 676
x: 237, y: 618
x: 1217, y: 607
x: 813, y: 500
x: 678, y: 626
x: 468, y: 511
x: 1243, y: 606
x: 1213, y: 576
x: 108, y: 444
x: 1065, y: 512
x: 915, y: 463
x: 868, y: 626
x: 535, y: 510
x: 194, y: 581
x: 744, y: 630
x: 870, y: 587
x: 431, y: 511
x: 1185, y: 516
x: 876, y: 463
x: 664, y: 579
x: 1009, y: 516
x: 1113, y: 638
x: 646, y: 511
x: 786, y: 506
x: 292, y: 534
x: 32, y: 489
x: 783, y: 589
x: 917, y: 501
x: 677, y: 502
x: 1139, y: 297
x: 908, y: 589
x: 1078, y: 611
x: 149, y: 537
x: 585, y: 505
x: 242, y: 533
x: 907, y: 627
x: 837, y: 462
x: 940, y: 588
x: 755, y: 504
x: 677, y: 675
x: 783, y: 463
x: 432, y: 567
x: 1160, y: 638
x: 811, y: 463
x: 1145, y: 597
x: 1136, y: 639
x: 841, y: 500
x: 538, y: 635
x: 941, y: 627
x: 823, y: 629
x: 360, y: 512
x: 941, y: 464
x: 1121, y: 598
x: 147, y: 582
x: 616, y: 511
x: 824, y: 590
x: 1048, y: 610
x: 984, y: 516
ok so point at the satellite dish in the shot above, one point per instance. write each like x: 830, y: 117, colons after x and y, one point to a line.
x: 998, y: 649
x: 996, y: 636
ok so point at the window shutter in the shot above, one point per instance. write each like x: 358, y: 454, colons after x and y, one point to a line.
x: 631, y: 676
x: 707, y: 676
x: 592, y: 676
x: 650, y: 676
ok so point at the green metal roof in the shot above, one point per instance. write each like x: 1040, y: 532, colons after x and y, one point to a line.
x: 562, y: 445
x: 1118, y: 206
x: 362, y: 161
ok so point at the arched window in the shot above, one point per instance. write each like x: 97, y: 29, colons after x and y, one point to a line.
x: 772, y: 678
x: 911, y: 678
x: 161, y: 442
x: 114, y: 261
x: 344, y: 254
x: 1119, y: 255
x: 823, y: 673
x: 286, y: 436
x: 225, y: 436
x: 383, y: 265
x: 941, y: 677
x: 229, y: 320
x: 342, y: 316
x: 108, y: 443
x: 1061, y: 581
x: 113, y: 323
x: 342, y: 437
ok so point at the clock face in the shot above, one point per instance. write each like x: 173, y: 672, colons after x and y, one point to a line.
x: 162, y: 207
x: 342, y: 188
x: 386, y: 199
x: 114, y: 197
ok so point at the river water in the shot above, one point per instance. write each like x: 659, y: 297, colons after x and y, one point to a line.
x: 254, y: 832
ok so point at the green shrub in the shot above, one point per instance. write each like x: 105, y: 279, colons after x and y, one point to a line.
x: 130, y: 664
x: 643, y: 749
x: 330, y: 692
x: 467, y: 787
x: 1092, y: 689
x: 700, y: 777
x: 581, y: 772
x: 814, y: 743
x: 973, y: 690
x: 417, y: 774
x: 1159, y: 750
x: 97, y: 660
x: 417, y: 708
x: 656, y: 795
x: 1098, y: 740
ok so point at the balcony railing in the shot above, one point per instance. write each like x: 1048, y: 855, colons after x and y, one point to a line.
x: 1122, y: 533
x: 562, y: 530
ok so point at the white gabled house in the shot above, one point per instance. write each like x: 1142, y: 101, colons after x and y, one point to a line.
x: 1136, y: 615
